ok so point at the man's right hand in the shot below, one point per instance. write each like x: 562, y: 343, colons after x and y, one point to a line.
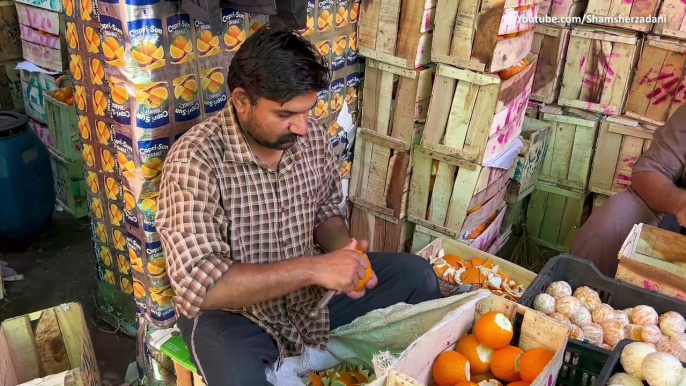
x: 341, y: 270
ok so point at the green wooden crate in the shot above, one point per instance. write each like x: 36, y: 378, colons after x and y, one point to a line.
x: 555, y: 215
x: 70, y: 185
x: 62, y: 123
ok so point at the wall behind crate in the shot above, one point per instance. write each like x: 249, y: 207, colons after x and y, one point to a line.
x: 144, y: 74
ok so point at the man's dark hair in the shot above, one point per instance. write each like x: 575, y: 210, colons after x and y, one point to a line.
x: 278, y: 64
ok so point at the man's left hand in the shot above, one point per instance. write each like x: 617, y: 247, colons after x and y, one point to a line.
x: 363, y: 245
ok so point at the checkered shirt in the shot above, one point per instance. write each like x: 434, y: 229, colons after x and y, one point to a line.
x: 219, y: 205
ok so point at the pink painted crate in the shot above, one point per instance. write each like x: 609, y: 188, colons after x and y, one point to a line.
x: 34, y: 36
x: 50, y: 58
x: 674, y: 11
x: 473, y: 116
x: 598, y: 69
x: 40, y: 19
x: 482, y: 36
x: 658, y: 89
x: 562, y: 8
x: 623, y: 8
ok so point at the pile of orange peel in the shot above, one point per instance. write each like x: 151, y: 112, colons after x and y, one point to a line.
x: 479, y: 273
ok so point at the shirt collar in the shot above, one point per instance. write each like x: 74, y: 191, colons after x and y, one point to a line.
x: 237, y: 149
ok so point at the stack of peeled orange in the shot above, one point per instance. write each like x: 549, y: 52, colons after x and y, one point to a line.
x: 486, y: 358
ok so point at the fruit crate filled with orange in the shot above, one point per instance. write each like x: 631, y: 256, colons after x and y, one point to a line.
x: 503, y: 38
x: 488, y: 341
x: 62, y: 122
x: 454, y: 198
x: 474, y: 116
x: 457, y: 264
x: 45, y: 36
x: 398, y: 32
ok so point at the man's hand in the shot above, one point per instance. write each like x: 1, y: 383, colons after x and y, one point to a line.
x: 341, y: 270
x: 363, y: 245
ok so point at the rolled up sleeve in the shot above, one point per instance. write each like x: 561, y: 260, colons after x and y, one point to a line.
x: 192, y: 223
x: 667, y: 153
x: 330, y: 203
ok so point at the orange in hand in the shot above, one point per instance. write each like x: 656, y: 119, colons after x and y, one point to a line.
x: 367, y: 275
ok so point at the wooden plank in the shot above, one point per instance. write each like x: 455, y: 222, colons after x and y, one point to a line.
x: 72, y: 325
x: 184, y: 377
x: 22, y: 346
x: 383, y: 235
x: 555, y: 214
x: 605, y: 158
x: 8, y: 376
x: 552, y: 52
x: 576, y: 66
x: 50, y: 344
x: 674, y: 11
x: 631, y: 150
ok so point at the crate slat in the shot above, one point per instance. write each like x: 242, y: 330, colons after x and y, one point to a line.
x: 384, y: 233
x: 620, y: 144
x: 474, y: 116
x: 401, y: 39
x: 396, y: 98
x: 535, y: 136
x: 622, y: 8
x: 555, y: 215
x: 674, y: 11
x: 652, y: 258
x: 598, y: 69
x: 562, y: 8
x: 51, y: 345
x: 23, y: 349
x: 567, y: 162
x: 490, y: 48
x: 550, y: 44
x: 658, y: 89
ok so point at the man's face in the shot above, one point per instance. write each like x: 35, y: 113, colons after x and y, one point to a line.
x: 274, y: 125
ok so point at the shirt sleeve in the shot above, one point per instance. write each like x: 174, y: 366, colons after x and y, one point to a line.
x: 191, y: 223
x: 330, y: 204
x: 667, y: 153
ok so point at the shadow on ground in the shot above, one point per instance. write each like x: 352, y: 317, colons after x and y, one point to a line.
x: 60, y: 268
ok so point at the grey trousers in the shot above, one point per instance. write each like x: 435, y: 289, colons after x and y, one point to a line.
x: 230, y: 350
x: 601, y: 237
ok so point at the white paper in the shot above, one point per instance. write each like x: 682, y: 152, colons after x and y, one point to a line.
x: 507, y: 157
x: 28, y: 66
x: 345, y: 119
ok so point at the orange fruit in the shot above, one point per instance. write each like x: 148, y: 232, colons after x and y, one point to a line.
x: 533, y: 362
x: 454, y: 261
x: 505, y: 363
x: 478, y: 355
x: 494, y: 330
x: 473, y: 276
x: 465, y: 383
x: 449, y: 368
x: 367, y: 273
x: 519, y: 383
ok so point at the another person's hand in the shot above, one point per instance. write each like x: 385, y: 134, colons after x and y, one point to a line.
x: 341, y: 270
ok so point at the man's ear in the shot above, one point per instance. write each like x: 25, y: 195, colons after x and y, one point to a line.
x: 240, y: 99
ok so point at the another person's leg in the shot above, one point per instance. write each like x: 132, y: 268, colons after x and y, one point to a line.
x: 402, y: 278
x: 601, y: 237
x: 228, y: 349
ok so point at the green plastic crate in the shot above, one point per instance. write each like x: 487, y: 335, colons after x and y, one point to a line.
x: 63, y: 125
x: 70, y: 185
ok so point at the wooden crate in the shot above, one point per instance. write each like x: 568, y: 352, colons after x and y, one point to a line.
x: 401, y: 39
x: 622, y: 8
x: 652, y: 258
x: 473, y: 116
x: 380, y: 174
x: 535, y: 331
x: 658, y: 89
x: 384, y: 233
x: 556, y: 214
x: 10, y: 44
x: 532, y: 109
x: 567, y: 162
x: 550, y: 44
x: 450, y: 196
x: 62, y: 123
x: 535, y: 136
x: 599, y: 200
x: 620, y: 143
x: 598, y: 69
x: 69, y: 184
x: 396, y: 98
x: 48, y: 342
x: 443, y: 246
x: 515, y: 216
x: 423, y: 236
x: 674, y: 11
x: 501, y: 40
x: 562, y: 8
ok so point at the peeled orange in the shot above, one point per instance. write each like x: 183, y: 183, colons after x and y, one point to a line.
x: 367, y: 274
x: 519, y: 383
x: 478, y: 355
x: 533, y: 362
x: 505, y: 363
x: 494, y: 330
x: 449, y: 368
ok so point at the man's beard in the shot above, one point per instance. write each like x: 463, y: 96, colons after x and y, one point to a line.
x: 253, y: 129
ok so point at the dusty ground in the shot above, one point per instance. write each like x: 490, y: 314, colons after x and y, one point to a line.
x: 60, y: 268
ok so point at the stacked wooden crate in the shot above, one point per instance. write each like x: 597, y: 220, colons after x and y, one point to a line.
x: 10, y: 53
x: 397, y: 90
x: 483, y: 82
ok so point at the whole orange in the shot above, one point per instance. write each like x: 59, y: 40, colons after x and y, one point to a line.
x: 505, y: 363
x: 367, y: 274
x: 533, y: 362
x: 449, y: 368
